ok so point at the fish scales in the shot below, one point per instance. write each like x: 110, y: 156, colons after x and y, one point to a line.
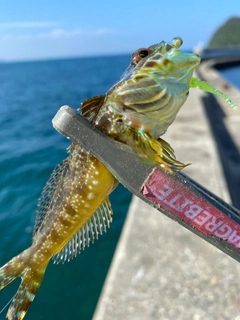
x: 73, y: 209
x: 77, y: 192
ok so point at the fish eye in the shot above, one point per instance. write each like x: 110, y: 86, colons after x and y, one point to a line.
x: 143, y: 53
x: 139, y: 55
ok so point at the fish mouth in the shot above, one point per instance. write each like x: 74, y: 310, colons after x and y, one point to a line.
x: 172, y: 52
x: 170, y: 59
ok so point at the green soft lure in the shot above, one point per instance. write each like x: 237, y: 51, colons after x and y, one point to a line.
x: 203, y: 85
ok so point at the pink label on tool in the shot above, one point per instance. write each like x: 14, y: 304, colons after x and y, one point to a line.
x: 173, y: 196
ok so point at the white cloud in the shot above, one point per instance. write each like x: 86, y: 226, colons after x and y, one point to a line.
x: 62, y: 33
x: 57, y: 32
x: 28, y: 24
x: 54, y: 33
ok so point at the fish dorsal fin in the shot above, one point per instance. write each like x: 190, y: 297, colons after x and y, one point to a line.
x: 47, y: 194
x: 91, y: 107
x: 97, y: 224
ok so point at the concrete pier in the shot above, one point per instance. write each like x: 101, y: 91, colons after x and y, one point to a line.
x: 160, y: 270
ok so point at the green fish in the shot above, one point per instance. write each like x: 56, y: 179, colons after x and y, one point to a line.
x: 74, y: 209
x: 141, y: 106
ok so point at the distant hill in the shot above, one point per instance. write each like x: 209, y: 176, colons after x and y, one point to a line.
x: 227, y: 36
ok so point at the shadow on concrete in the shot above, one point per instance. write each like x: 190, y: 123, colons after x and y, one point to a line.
x: 227, y: 149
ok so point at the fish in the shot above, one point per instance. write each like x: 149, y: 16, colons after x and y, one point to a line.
x: 74, y: 208
x: 141, y: 106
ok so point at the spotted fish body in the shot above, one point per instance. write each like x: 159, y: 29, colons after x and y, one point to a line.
x: 74, y: 209
x: 77, y: 188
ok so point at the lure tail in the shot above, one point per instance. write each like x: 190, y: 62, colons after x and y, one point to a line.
x: 203, y: 85
x: 31, y: 281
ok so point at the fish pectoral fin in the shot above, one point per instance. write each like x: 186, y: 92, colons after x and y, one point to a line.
x: 166, y: 146
x: 169, y: 156
x: 90, y: 107
x: 98, y: 223
x: 153, y: 152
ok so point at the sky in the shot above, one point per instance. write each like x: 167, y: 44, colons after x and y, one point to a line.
x: 42, y: 29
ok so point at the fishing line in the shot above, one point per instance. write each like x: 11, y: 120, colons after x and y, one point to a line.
x: 8, y: 303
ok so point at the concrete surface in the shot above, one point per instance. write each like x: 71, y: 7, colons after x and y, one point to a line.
x: 162, y: 271
x: 231, y: 117
x: 225, y: 127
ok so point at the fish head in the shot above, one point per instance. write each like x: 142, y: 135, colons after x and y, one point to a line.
x: 153, y: 88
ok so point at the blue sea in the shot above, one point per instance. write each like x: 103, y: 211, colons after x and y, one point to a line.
x: 30, y: 95
x: 232, y: 75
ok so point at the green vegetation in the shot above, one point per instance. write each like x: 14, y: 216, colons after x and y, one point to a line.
x: 227, y: 36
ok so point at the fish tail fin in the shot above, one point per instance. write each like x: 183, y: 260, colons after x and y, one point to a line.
x: 31, y: 281
x: 9, y: 272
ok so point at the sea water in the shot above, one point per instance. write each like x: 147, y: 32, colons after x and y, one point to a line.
x: 231, y: 74
x: 30, y: 95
